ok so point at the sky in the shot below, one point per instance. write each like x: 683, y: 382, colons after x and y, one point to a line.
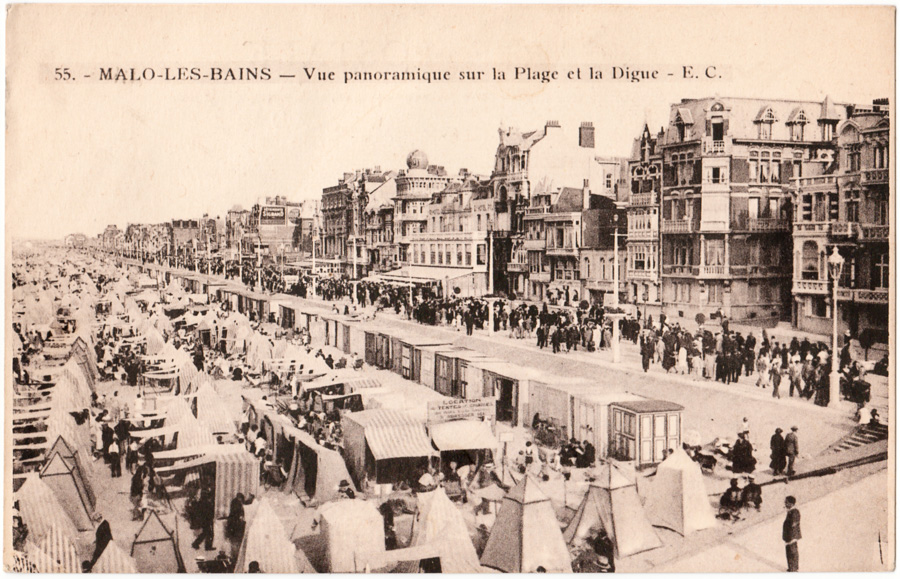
x: 85, y: 153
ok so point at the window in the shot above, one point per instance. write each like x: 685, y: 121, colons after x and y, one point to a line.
x: 440, y: 254
x: 480, y: 251
x: 459, y: 254
x: 753, y: 207
x: 833, y: 206
x: 714, y: 293
x: 478, y: 222
x: 882, y: 271
x: 764, y: 124
x: 851, y: 205
x: 449, y: 255
x: 809, y: 261
x: 559, y: 270
x: 715, y: 252
x: 881, y: 208
x: 640, y: 258
x: 681, y: 252
x: 853, y: 159
x: 609, y: 180
x: 718, y: 129
x: 587, y: 268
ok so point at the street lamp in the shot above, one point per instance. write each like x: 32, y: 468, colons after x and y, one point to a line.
x: 281, y: 249
x: 835, y: 266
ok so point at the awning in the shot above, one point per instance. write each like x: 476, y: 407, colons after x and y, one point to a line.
x: 392, y: 434
x: 463, y: 435
x: 420, y: 275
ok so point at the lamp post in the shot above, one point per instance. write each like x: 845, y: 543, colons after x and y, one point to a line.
x: 281, y: 250
x: 259, y: 262
x: 490, y: 257
x: 835, y: 266
x: 615, y: 296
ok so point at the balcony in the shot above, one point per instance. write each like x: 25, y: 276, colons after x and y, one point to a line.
x: 563, y: 251
x: 536, y: 212
x: 680, y: 270
x: 642, y: 274
x: 769, y: 224
x: 534, y: 244
x: 817, y: 181
x: 643, y: 199
x: 865, y: 296
x: 713, y: 270
x: 601, y: 284
x: 539, y: 276
x: 713, y: 147
x: 875, y: 233
x: 516, y: 267
x: 677, y: 226
x: 810, y: 286
x: 812, y: 227
x: 875, y: 176
x: 844, y: 229
x: 642, y: 234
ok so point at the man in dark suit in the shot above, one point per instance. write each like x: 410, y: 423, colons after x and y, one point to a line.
x: 791, y: 449
x: 791, y: 534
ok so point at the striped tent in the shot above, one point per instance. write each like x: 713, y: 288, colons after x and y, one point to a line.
x: 60, y: 552
x: 19, y: 562
x: 438, y: 522
x: 114, y: 560
x: 266, y: 542
x: 398, y: 444
x: 237, y: 471
x: 212, y: 411
x: 41, y: 510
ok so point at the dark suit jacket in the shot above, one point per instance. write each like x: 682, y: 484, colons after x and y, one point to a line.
x: 791, y: 529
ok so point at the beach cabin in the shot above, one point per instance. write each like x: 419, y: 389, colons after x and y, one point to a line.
x: 643, y: 430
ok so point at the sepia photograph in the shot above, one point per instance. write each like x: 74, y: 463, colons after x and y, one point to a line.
x: 449, y: 289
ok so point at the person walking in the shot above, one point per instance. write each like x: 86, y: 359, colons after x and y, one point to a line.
x: 791, y: 449
x: 790, y: 533
x: 776, y: 445
x: 207, y: 516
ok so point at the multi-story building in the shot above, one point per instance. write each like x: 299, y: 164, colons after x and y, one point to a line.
x: 185, y: 240
x: 415, y: 188
x: 109, y: 238
x: 845, y: 204
x: 379, y: 216
x: 344, y: 221
x: 237, y: 228
x: 541, y: 162
x: 728, y: 166
x: 603, y: 219
x: 453, y: 248
x: 645, y: 171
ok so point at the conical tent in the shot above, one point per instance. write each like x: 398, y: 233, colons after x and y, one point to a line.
x: 67, y: 482
x: 41, y: 510
x: 526, y: 534
x: 677, y: 499
x: 266, y: 542
x: 612, y: 504
x: 155, y: 548
x: 60, y: 551
x: 438, y: 522
x: 114, y: 560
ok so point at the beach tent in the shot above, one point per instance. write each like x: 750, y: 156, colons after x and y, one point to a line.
x: 316, y: 471
x: 385, y: 446
x: 68, y: 483
x: 353, y: 532
x: 41, y: 510
x: 155, y: 548
x: 213, y: 412
x: 56, y: 553
x: 526, y: 534
x: 438, y: 522
x: 114, y: 560
x: 677, y: 499
x: 266, y: 542
x: 612, y: 504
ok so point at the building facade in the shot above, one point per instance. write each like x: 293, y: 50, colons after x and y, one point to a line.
x: 846, y: 206
x: 726, y: 206
x: 642, y: 262
x: 415, y: 188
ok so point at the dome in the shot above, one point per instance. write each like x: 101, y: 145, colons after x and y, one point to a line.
x: 417, y: 160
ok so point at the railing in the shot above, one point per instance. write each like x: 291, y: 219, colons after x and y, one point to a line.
x: 716, y: 180
x: 540, y: 276
x: 539, y: 210
x: 876, y: 296
x: 818, y: 180
x: 641, y: 274
x: 535, y: 244
x: 677, y: 226
x: 711, y: 147
x: 642, y: 234
x: 811, y: 226
x: 714, y: 270
x: 678, y: 269
x: 875, y: 232
x: 601, y: 284
x: 810, y: 286
x: 844, y: 228
x: 769, y: 224
x: 643, y: 199
x: 516, y: 266
x: 565, y: 250
x: 875, y: 176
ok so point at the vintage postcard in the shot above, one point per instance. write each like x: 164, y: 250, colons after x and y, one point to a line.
x: 454, y: 289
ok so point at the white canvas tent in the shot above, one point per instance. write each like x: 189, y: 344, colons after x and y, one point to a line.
x: 526, y: 534
x: 266, y: 542
x: 155, y: 547
x: 438, y: 522
x: 353, y: 531
x: 677, y: 499
x: 612, y: 504
x: 69, y: 485
x: 114, y: 560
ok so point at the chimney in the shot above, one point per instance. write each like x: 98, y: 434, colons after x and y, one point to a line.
x: 586, y: 195
x: 586, y: 135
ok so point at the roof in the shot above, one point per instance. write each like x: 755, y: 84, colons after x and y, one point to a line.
x: 641, y: 406
x: 463, y: 435
x: 392, y: 434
